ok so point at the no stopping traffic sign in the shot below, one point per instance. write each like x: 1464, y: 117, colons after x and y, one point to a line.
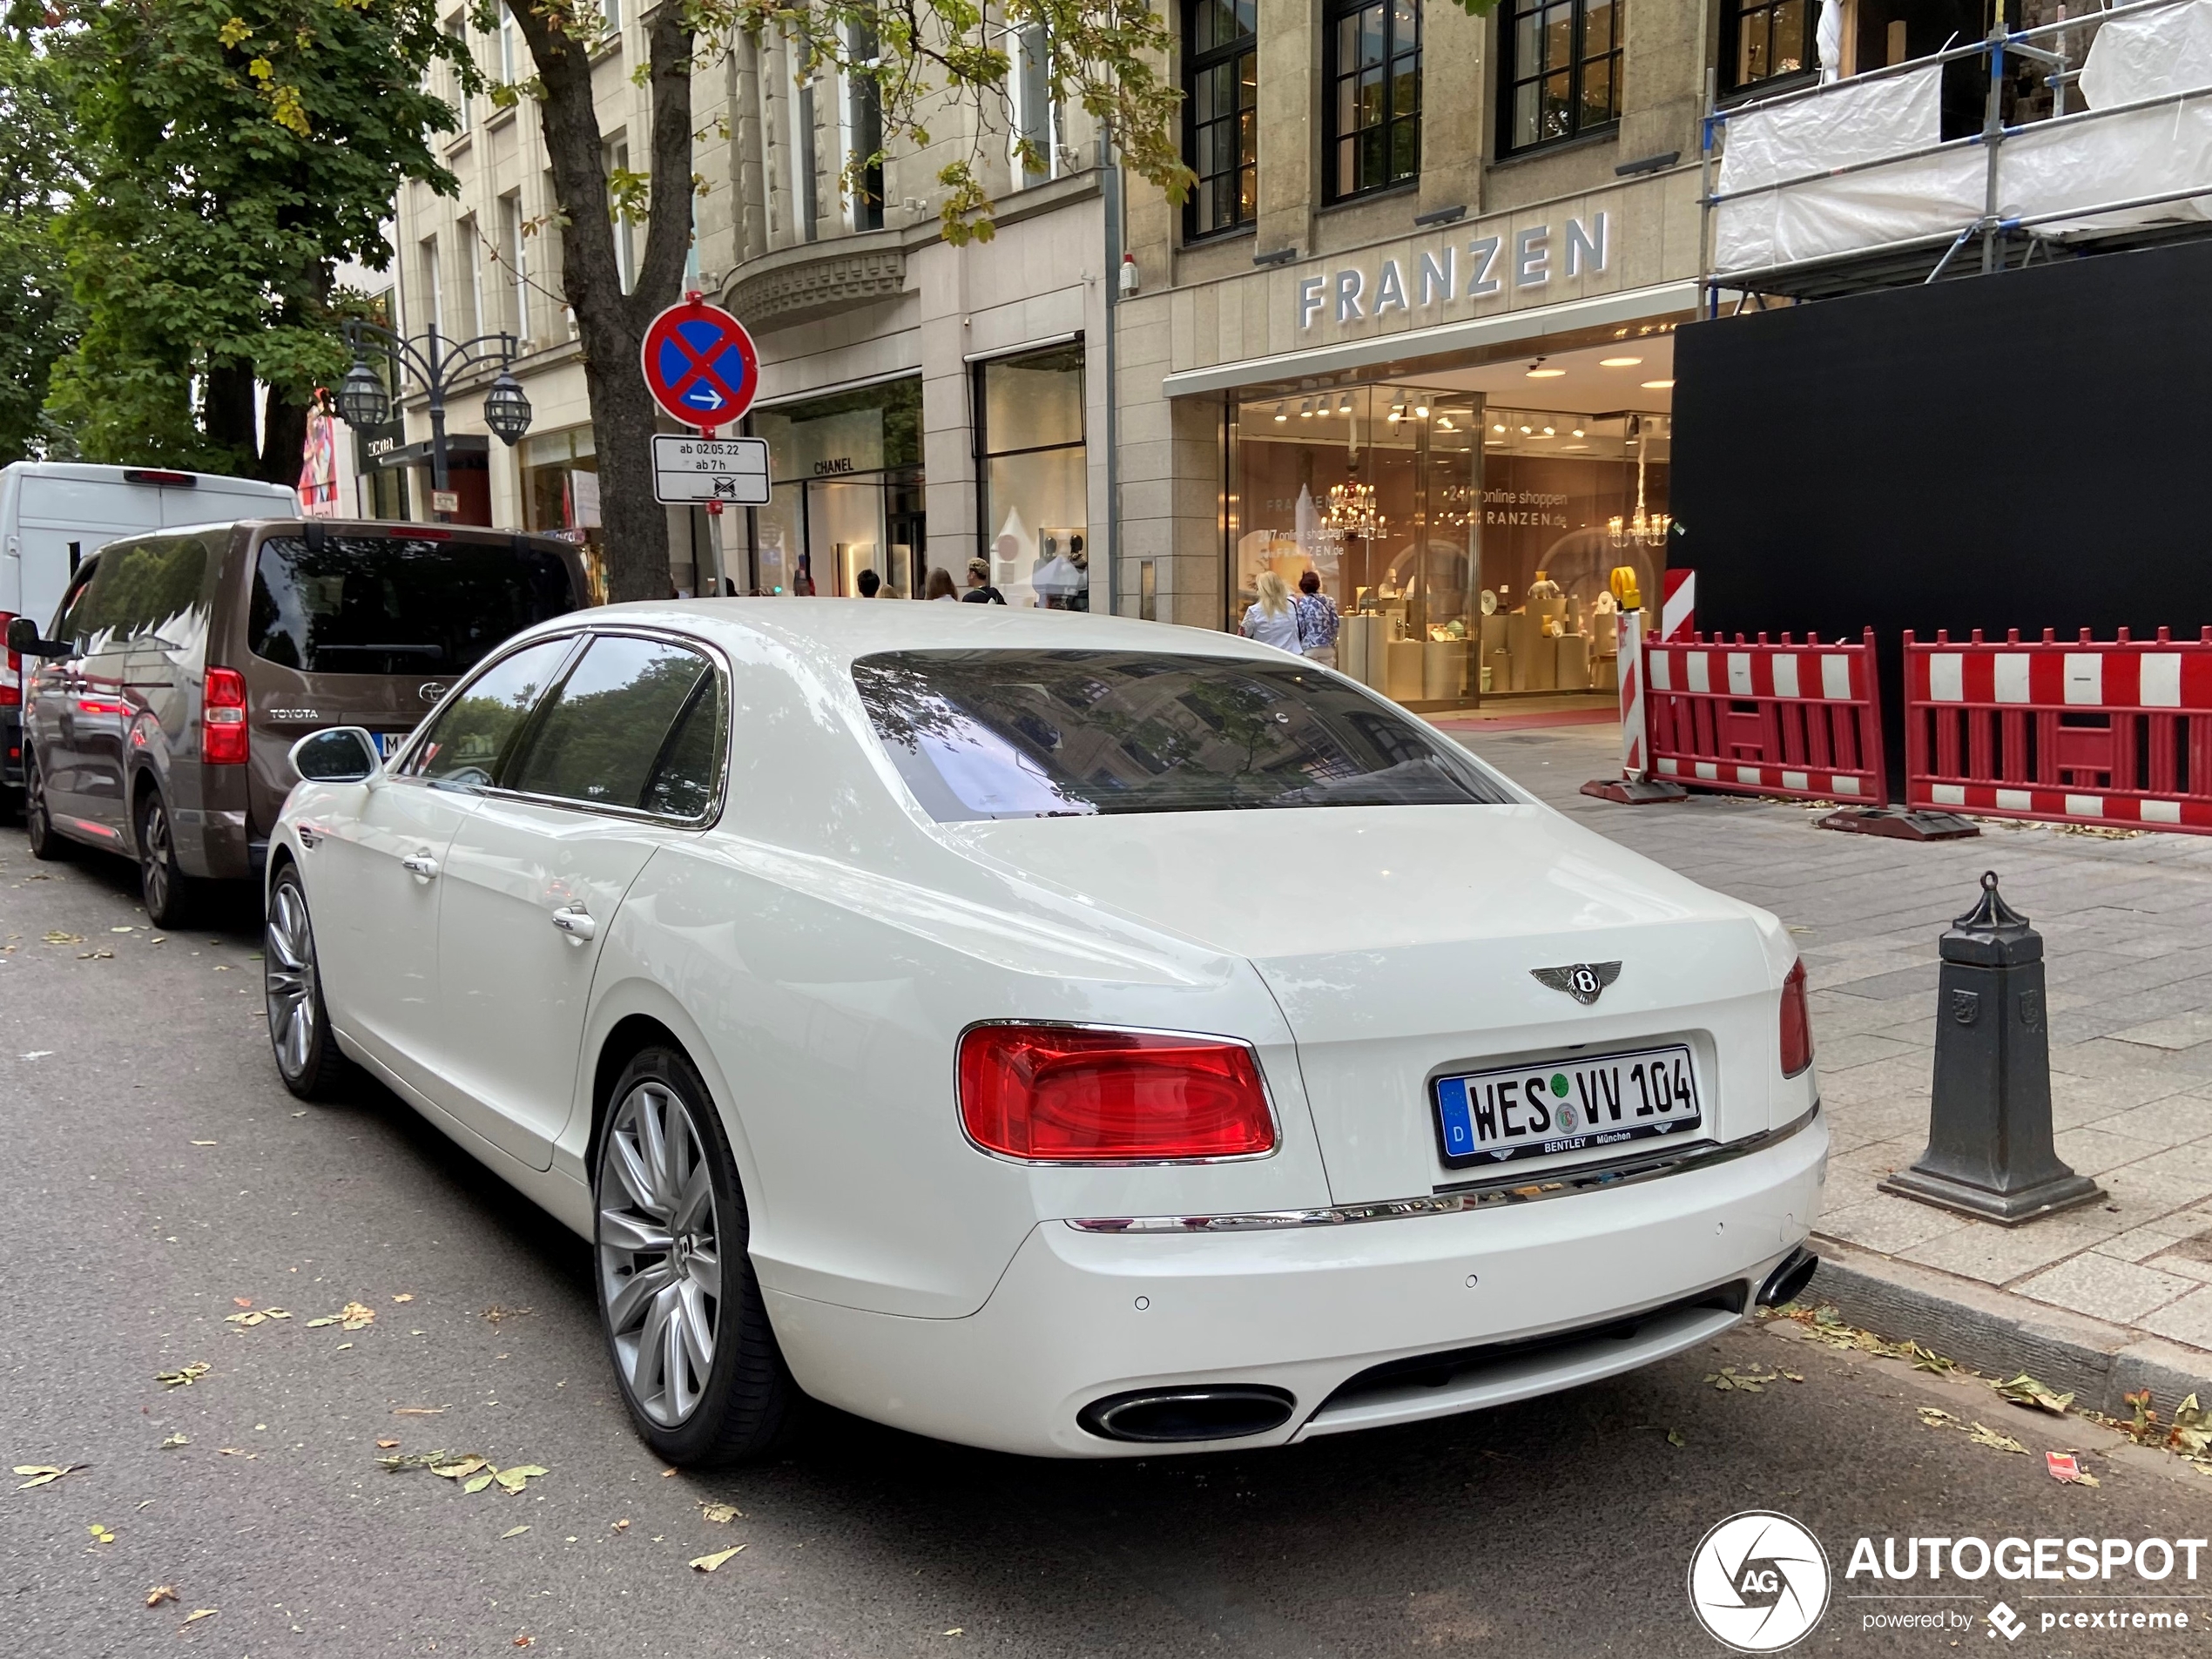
x: 699, y: 364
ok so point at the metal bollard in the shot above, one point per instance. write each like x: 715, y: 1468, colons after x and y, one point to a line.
x: 1989, y: 1125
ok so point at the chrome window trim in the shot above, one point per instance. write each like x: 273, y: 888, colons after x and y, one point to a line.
x: 1460, y: 1198
x: 715, y: 660
x: 1266, y: 1090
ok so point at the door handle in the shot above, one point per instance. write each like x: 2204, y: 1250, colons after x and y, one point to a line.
x: 575, y: 922
x: 419, y: 864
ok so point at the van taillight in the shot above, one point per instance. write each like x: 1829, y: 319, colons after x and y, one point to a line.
x: 1061, y: 1094
x: 1796, y: 1023
x: 222, y: 719
x: 11, y: 684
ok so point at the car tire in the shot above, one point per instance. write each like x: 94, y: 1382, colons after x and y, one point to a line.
x: 46, y: 844
x: 675, y: 1278
x: 306, y: 1054
x: 170, y: 897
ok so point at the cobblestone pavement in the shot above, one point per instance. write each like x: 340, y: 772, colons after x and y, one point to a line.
x: 2127, y: 923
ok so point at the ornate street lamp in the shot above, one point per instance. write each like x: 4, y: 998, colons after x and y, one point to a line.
x: 435, y: 361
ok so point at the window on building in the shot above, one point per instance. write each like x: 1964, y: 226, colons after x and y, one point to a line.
x: 515, y: 250
x: 434, y: 304
x: 1034, y: 145
x: 1220, y: 104
x: 617, y: 160
x: 1562, y: 61
x: 613, y: 10
x: 511, y: 52
x: 1374, y: 78
x: 863, y: 130
x: 802, y: 161
x: 1766, y: 40
x: 458, y: 29
x: 472, y: 273
x: 1030, y: 468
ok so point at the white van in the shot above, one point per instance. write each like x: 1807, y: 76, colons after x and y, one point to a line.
x: 53, y: 513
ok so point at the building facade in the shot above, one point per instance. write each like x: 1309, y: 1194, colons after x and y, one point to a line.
x: 924, y: 403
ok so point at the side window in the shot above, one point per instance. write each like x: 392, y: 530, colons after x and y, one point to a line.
x: 605, y: 730
x: 69, y: 622
x: 691, y: 762
x: 465, y: 743
x: 142, y: 591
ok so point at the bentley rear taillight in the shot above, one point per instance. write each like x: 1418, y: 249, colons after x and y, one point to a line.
x: 1065, y: 1094
x: 1796, y: 1023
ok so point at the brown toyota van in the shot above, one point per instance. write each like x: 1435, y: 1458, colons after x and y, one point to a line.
x: 161, y: 706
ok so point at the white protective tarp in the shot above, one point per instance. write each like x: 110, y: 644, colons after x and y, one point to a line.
x: 2078, y: 164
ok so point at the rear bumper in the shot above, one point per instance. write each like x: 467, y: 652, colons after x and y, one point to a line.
x: 11, y: 748
x: 1078, y: 1316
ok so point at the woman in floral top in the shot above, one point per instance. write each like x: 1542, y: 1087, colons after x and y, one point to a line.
x: 1316, y: 621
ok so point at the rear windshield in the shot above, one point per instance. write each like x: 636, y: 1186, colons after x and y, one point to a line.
x: 982, y: 734
x: 393, y: 604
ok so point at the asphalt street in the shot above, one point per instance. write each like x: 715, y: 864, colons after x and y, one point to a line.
x: 159, y: 1180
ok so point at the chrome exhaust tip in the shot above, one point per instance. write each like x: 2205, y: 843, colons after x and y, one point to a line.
x: 1788, y: 1281
x: 1165, y: 1416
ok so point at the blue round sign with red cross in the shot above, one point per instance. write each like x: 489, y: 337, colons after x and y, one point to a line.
x: 700, y: 363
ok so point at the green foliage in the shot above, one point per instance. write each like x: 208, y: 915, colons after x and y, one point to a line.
x: 38, y: 316
x: 234, y: 152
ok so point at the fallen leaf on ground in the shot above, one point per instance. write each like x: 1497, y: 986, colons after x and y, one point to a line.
x: 460, y: 1469
x: 1935, y: 1416
x: 526, y: 1642
x: 516, y: 1532
x: 157, y: 1593
x: 243, y: 1301
x: 665, y: 1473
x: 205, y: 1143
x: 957, y: 1630
x: 1795, y: 1376
x: 708, y: 1563
x: 100, y: 1534
x: 418, y: 1411
x: 404, y: 1296
x: 1750, y: 1382
x: 623, y: 1524
x: 2023, y: 1390
x: 101, y: 955
x: 514, y: 1478
x: 387, y: 1445
x: 123, y: 930
x: 183, y: 1376
x: 1674, y: 1437
x: 235, y: 1450
x: 1995, y: 1441
x: 57, y: 937
x: 44, y: 1474
x: 199, y: 1613
x: 175, y: 1440
x: 257, y: 1316
x: 721, y: 1513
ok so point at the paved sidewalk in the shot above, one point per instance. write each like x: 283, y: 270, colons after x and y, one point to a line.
x: 2127, y: 923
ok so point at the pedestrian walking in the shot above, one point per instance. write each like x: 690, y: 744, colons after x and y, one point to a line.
x: 979, y: 590
x: 1272, y: 618
x: 939, y: 585
x: 1317, y: 622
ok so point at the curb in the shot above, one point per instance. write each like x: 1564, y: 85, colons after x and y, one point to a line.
x: 1999, y: 1334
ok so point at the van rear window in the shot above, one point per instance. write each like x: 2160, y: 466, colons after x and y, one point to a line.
x: 393, y: 604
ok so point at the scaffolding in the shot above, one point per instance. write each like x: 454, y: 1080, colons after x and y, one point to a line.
x: 1912, y: 185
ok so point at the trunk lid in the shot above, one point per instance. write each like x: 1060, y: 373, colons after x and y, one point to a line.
x: 1400, y: 942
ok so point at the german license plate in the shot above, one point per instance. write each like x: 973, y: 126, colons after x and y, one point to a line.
x: 387, y: 743
x: 1544, y: 1108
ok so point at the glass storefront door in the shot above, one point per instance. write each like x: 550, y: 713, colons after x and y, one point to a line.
x: 846, y: 492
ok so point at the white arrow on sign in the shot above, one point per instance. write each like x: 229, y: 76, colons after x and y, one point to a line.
x: 688, y: 470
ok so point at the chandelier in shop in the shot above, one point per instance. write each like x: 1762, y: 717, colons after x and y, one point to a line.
x: 1647, y: 529
x: 1351, y: 510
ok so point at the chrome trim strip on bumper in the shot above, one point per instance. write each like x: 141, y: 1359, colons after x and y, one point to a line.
x: 1463, y: 1196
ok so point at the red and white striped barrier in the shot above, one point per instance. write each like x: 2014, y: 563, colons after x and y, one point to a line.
x: 2116, y: 734
x: 1795, y: 718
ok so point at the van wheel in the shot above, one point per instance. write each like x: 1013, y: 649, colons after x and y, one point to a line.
x: 37, y: 827
x: 684, y: 1321
x: 170, y: 894
x: 307, y: 1058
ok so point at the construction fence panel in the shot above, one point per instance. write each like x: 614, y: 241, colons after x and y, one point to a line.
x: 2117, y: 734
x: 1799, y: 718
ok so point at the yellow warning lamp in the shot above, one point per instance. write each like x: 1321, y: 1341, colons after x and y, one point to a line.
x: 1624, y: 587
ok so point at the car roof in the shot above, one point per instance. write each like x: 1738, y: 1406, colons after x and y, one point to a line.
x: 831, y: 633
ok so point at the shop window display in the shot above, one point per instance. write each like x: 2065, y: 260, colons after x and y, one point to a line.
x: 1468, y: 548
x: 1030, y: 461
x: 846, y: 493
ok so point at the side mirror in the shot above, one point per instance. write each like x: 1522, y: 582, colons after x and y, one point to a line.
x: 23, y: 640
x: 344, y: 754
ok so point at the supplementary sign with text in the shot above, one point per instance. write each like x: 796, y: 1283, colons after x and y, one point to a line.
x: 703, y: 470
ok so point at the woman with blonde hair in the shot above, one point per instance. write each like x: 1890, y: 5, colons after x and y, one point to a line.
x: 1272, y: 618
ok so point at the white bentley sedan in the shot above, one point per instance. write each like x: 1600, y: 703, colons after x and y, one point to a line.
x: 1061, y: 1033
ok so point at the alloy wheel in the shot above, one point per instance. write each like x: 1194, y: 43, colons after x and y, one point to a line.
x: 289, y: 979
x: 153, y: 856
x: 660, y: 1262
x: 37, y: 828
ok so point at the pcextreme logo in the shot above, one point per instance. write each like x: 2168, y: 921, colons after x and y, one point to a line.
x: 1759, y: 1581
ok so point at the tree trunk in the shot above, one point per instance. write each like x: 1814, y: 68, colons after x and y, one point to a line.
x: 226, y: 402
x: 284, y: 428
x: 611, y: 324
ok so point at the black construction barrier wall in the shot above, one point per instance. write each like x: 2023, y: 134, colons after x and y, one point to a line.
x: 2029, y: 449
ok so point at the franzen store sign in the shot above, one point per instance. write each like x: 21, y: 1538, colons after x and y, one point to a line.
x: 1480, y: 268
